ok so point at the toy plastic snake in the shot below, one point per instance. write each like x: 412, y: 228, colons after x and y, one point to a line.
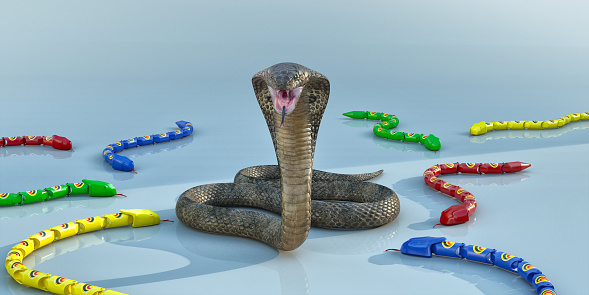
x: 125, y: 164
x: 57, y: 284
x: 459, y: 213
x: 426, y: 246
x: 94, y: 188
x: 293, y: 99
x: 55, y: 141
x: 483, y: 127
x: 381, y: 129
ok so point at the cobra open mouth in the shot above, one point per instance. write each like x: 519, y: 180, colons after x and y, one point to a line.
x: 285, y: 101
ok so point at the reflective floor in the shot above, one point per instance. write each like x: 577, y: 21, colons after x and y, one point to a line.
x: 98, y: 73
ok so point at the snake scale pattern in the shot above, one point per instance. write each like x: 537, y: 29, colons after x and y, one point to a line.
x: 292, y: 99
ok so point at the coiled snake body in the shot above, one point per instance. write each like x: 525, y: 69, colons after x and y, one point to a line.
x: 293, y: 99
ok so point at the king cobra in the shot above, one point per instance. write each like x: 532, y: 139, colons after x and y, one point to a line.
x: 293, y: 99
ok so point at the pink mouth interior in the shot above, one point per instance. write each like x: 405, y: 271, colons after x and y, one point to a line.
x: 285, y: 99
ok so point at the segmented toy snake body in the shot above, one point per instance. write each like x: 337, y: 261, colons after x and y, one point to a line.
x: 293, y: 99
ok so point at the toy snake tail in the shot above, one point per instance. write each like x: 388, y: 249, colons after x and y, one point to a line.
x: 426, y: 246
x: 59, y: 285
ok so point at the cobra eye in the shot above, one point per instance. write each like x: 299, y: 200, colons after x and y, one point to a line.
x: 312, y: 98
x: 268, y: 98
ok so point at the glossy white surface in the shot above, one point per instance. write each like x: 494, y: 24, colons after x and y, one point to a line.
x: 100, y: 72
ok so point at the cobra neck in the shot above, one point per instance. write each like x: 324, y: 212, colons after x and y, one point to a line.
x: 295, y: 157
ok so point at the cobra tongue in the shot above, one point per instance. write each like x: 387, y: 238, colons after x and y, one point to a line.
x: 283, y: 115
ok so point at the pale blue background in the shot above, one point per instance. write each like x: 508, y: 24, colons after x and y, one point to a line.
x: 98, y: 72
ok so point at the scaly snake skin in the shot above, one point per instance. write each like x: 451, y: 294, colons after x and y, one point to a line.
x: 287, y: 189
